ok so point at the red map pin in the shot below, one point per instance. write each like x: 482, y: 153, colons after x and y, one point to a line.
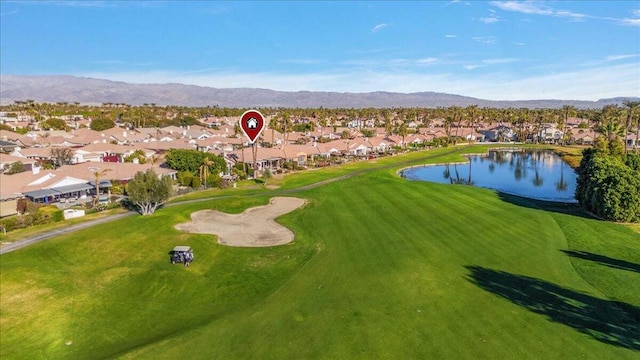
x: 252, y: 123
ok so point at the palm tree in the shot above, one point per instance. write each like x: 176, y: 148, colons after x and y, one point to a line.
x: 403, y: 131
x: 204, y: 170
x: 153, y: 160
x: 567, y: 111
x: 611, y: 130
x: 457, y: 117
x: 285, y: 121
x: 472, y: 110
x: 97, y: 174
x: 273, y: 123
x: 631, y: 109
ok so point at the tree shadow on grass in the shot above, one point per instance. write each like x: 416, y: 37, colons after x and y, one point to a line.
x: 604, y: 260
x: 611, y: 322
x: 553, y: 206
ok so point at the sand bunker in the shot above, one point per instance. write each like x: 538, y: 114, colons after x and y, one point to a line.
x: 255, y: 227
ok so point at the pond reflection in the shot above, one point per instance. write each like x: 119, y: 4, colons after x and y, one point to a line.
x: 536, y: 174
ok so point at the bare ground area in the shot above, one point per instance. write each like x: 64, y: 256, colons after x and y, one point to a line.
x: 255, y: 227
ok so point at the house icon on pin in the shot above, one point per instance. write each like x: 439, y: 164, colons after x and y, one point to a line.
x: 252, y: 123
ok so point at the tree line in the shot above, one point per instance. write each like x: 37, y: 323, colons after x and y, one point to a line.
x: 108, y: 115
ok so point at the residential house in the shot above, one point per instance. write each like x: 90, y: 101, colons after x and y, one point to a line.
x: 379, y: 145
x: 7, y: 160
x: 582, y: 136
x: 550, y: 134
x: 499, y: 133
x: 7, y: 146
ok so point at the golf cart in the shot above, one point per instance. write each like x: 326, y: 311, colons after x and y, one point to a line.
x: 181, y: 254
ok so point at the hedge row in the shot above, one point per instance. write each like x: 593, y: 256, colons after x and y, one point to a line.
x: 28, y: 220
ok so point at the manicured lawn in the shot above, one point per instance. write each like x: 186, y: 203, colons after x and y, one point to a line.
x: 381, y: 268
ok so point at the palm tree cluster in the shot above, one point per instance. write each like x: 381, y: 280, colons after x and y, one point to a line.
x: 611, y: 120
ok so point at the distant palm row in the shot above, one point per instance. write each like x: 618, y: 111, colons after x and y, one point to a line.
x: 613, y: 121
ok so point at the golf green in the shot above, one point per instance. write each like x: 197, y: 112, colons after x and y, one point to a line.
x: 381, y: 268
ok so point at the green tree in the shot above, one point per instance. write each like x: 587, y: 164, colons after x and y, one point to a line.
x: 15, y: 168
x: 138, y: 154
x: 101, y: 124
x: 61, y: 156
x: 266, y: 175
x: 607, y: 187
x: 191, y: 160
x: 54, y: 124
x: 147, y: 192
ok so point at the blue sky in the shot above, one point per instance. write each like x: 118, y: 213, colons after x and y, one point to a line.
x: 498, y: 50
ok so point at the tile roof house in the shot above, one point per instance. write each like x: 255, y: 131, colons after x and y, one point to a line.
x: 7, y: 146
x: 70, y: 180
x: 6, y: 160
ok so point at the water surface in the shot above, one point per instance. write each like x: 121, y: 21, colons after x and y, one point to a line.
x: 536, y: 174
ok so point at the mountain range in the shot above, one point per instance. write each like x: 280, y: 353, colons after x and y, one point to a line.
x: 63, y: 88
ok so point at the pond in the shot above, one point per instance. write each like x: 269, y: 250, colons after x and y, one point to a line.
x: 536, y: 174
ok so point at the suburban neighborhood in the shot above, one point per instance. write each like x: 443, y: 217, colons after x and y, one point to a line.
x: 332, y: 137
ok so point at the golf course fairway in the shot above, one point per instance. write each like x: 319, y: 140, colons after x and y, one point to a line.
x: 380, y: 268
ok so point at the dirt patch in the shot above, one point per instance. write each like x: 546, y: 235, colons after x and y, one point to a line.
x: 255, y: 227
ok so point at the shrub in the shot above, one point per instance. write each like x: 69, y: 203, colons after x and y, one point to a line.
x: 195, y: 182
x: 57, y: 216
x: 607, y: 187
x: 633, y: 161
x: 185, y: 178
x: 25, y: 221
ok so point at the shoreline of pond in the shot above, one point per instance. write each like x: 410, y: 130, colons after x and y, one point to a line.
x: 484, y: 180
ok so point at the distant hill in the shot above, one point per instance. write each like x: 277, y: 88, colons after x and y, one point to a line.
x: 97, y: 91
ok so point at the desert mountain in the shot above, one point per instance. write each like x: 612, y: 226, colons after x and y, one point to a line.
x: 96, y: 91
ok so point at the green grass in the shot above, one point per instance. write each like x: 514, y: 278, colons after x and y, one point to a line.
x: 381, y: 268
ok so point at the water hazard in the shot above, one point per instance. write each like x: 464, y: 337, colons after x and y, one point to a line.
x: 536, y: 174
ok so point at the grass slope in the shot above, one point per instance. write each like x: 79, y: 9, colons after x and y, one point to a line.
x: 381, y: 268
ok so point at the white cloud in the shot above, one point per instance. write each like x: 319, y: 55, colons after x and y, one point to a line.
x: 535, y: 8
x: 526, y: 7
x: 490, y: 20
x: 540, y: 8
x: 620, y: 57
x: 486, y: 62
x: 579, y: 84
x: 451, y: 36
x: 427, y: 61
x: 632, y: 21
x: 379, y: 27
